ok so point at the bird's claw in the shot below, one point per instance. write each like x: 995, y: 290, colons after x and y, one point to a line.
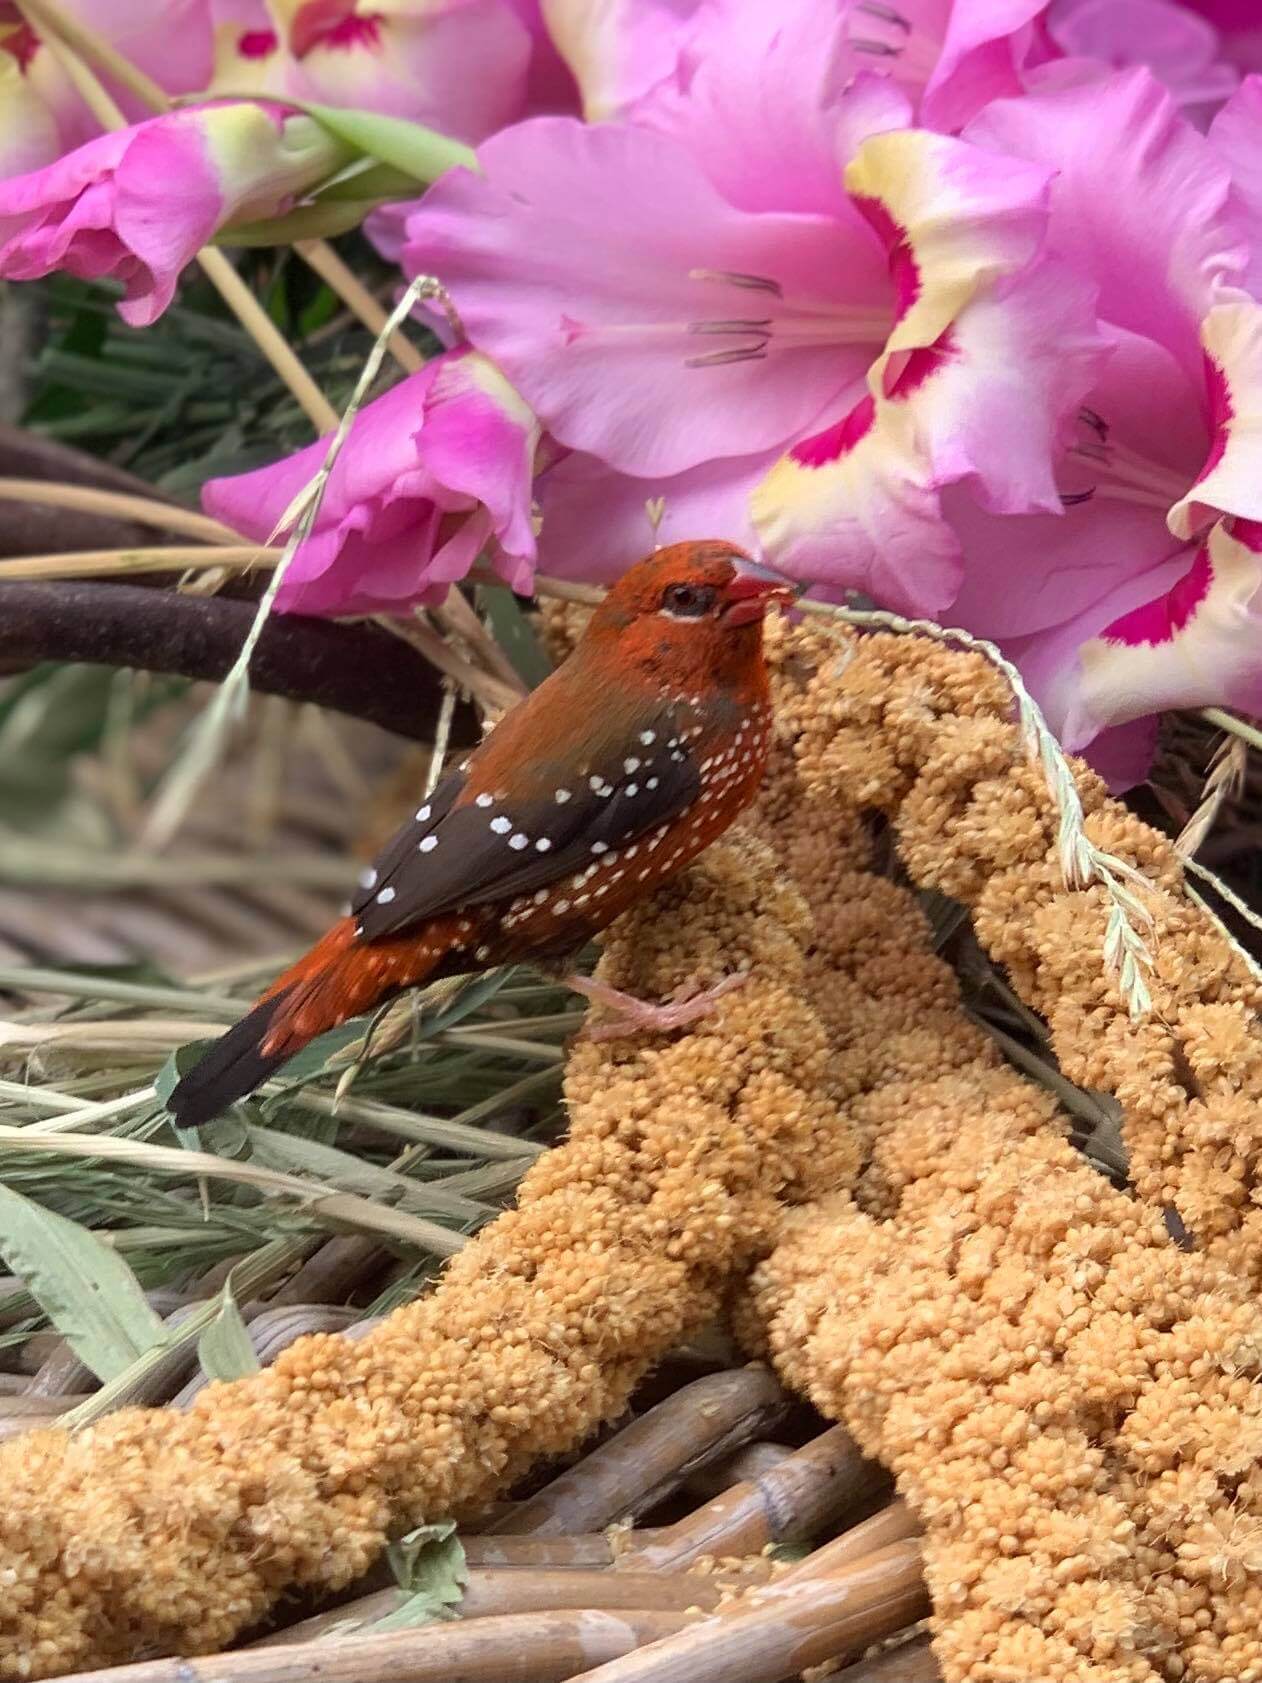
x: 641, y: 1016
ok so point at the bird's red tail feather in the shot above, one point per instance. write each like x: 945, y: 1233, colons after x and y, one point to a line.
x: 336, y: 980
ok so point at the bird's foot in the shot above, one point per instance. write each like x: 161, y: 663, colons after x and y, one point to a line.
x: 640, y: 1016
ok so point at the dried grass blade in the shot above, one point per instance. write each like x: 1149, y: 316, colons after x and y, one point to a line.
x: 186, y: 777
x: 342, y: 1209
x: 1227, y: 772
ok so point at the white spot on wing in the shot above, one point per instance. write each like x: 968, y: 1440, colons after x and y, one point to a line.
x: 562, y: 795
x: 368, y: 878
x: 543, y: 844
x: 485, y: 800
x: 428, y: 845
x: 518, y: 841
x: 422, y: 814
x: 648, y: 737
x: 385, y: 897
x: 501, y: 826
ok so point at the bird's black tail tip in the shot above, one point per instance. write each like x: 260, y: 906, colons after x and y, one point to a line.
x: 234, y: 1066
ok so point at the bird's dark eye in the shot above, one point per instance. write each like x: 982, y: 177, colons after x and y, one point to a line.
x: 688, y: 601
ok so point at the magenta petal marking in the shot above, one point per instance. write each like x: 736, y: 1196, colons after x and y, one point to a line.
x: 257, y: 43
x: 1218, y: 401
x: 839, y: 439
x: 904, y: 271
x: 332, y: 23
x: 1249, y: 533
x: 906, y: 373
x: 1160, y: 621
x: 22, y: 43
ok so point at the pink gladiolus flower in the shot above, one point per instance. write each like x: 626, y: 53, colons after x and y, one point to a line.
x: 1182, y: 50
x: 1239, y: 27
x: 904, y: 341
x: 432, y: 475
x: 1140, y: 597
x: 1236, y: 136
x: 580, y: 495
x: 170, y: 41
x: 460, y: 66
x: 621, y: 53
x: 41, y: 114
x: 249, y: 55
x: 138, y: 204
x: 550, y: 86
x: 949, y: 57
x: 989, y: 351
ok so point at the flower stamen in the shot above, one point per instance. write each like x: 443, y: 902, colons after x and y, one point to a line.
x: 1124, y: 475
x: 732, y: 277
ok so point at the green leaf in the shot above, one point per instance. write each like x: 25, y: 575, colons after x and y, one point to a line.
x: 515, y: 634
x: 322, y: 308
x: 318, y: 221
x: 177, y: 1067
x: 315, y: 1055
x: 421, y: 153
x: 430, y: 1564
x: 472, y: 996
x: 224, y: 1349
x: 788, y: 1554
x: 366, y: 179
x: 86, y: 1289
x: 292, y: 1154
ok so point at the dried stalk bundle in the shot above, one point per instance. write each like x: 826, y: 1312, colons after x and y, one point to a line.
x: 156, y: 1531
x: 1070, y: 1402
x: 924, y: 734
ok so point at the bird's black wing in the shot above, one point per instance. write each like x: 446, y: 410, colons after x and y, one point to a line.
x: 499, y: 844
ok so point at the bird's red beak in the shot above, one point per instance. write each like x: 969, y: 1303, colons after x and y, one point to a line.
x: 750, y: 594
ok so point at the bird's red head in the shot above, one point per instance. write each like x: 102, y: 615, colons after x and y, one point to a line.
x: 692, y: 611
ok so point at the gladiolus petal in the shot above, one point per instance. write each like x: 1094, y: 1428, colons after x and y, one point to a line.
x: 431, y: 473
x: 138, y: 204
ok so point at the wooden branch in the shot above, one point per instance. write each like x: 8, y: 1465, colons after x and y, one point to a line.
x: 29, y: 455
x: 644, y: 1462
x: 28, y: 529
x: 780, y: 1630
x: 545, y: 1645
x: 353, y: 669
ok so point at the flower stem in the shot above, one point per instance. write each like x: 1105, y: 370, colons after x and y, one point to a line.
x: 48, y: 18
x: 1236, y: 726
x: 117, y: 505
x: 159, y: 558
x: 78, y: 48
x: 268, y: 337
x: 90, y: 89
x: 320, y: 256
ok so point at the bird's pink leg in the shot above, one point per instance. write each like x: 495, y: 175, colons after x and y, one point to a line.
x: 638, y: 1016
